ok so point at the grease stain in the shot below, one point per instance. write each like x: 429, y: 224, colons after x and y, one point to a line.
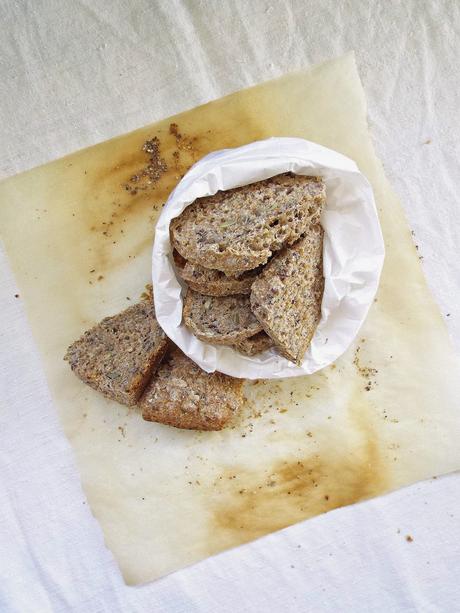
x: 247, y: 504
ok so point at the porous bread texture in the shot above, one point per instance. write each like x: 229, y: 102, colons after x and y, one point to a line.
x: 219, y: 320
x: 239, y: 229
x: 118, y: 356
x: 255, y: 344
x: 213, y: 282
x: 286, y: 298
x: 184, y: 396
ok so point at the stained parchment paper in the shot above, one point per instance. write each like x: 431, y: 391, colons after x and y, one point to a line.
x: 384, y: 415
x: 352, y: 255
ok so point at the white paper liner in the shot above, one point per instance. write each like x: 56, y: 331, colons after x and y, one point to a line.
x: 353, y: 252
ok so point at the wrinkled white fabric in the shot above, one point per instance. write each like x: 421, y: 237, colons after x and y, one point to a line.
x: 76, y: 73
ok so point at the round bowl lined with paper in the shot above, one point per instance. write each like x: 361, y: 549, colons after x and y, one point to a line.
x: 353, y: 252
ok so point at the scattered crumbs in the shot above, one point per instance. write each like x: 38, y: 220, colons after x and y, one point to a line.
x: 309, y: 434
x: 184, y: 143
x: 16, y: 295
x: 409, y: 539
x: 292, y: 566
x: 85, y: 414
x: 326, y: 497
x: 122, y: 430
x: 152, y: 172
x: 329, y: 416
x: 367, y: 372
x: 92, y: 270
x: 282, y: 410
x: 427, y: 142
x: 100, y: 277
x: 128, y: 298
x: 447, y: 314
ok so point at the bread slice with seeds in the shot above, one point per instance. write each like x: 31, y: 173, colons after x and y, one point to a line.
x: 239, y: 229
x: 118, y: 356
x: 219, y: 320
x: 213, y: 282
x: 255, y: 344
x: 184, y: 396
x: 286, y: 297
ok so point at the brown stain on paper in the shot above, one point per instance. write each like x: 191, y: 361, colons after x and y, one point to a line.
x: 112, y: 215
x: 251, y: 504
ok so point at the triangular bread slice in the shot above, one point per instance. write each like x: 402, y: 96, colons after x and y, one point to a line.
x: 286, y: 297
x: 184, y: 396
x: 118, y: 356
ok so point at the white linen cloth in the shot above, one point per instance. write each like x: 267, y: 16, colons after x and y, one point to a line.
x: 75, y: 73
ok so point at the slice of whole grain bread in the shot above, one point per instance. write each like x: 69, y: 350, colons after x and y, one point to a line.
x: 255, y: 344
x: 118, y: 356
x: 184, y: 396
x: 213, y: 282
x: 239, y: 229
x: 219, y: 320
x: 286, y: 297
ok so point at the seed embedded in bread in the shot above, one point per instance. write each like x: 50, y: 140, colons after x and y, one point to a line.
x: 239, y: 229
x: 118, y: 356
x: 183, y: 395
x: 213, y: 282
x: 255, y: 344
x: 219, y: 320
x: 286, y: 297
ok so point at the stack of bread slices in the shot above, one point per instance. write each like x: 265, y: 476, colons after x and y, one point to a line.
x: 252, y: 260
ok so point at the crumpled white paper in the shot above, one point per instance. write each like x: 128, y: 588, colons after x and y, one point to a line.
x: 352, y: 258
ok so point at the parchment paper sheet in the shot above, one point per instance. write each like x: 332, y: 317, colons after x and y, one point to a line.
x: 384, y: 416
